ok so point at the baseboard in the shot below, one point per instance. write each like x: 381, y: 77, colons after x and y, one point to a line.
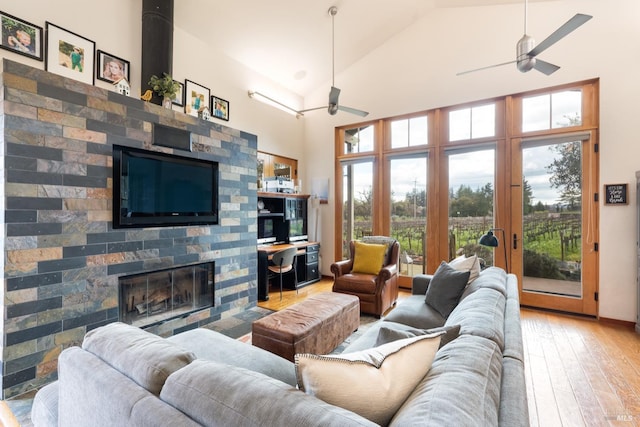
x: 624, y: 323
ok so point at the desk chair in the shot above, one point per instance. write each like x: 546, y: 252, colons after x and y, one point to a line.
x: 283, y: 262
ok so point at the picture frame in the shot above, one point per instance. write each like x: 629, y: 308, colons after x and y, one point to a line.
x: 616, y: 194
x: 69, y: 54
x: 179, y: 98
x: 196, y: 96
x: 111, y: 68
x: 219, y: 108
x: 20, y: 36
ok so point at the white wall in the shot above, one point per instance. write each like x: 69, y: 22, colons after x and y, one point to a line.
x: 416, y: 71
x: 412, y: 72
x: 116, y: 28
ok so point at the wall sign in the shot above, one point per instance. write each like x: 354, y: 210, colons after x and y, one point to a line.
x: 615, y: 194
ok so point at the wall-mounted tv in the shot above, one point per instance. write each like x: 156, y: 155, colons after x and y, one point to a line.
x: 152, y: 189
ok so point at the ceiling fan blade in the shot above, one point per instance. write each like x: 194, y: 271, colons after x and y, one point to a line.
x: 484, y: 68
x: 333, y: 95
x: 353, y: 111
x: 545, y: 67
x: 560, y: 33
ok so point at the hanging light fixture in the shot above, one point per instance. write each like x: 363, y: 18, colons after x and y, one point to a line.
x: 277, y: 104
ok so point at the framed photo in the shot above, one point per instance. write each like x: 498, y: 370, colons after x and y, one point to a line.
x: 196, y: 97
x: 179, y: 99
x: 111, y: 68
x: 220, y: 108
x: 69, y: 54
x: 21, y: 36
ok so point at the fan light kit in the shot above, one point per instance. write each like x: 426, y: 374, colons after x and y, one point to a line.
x: 333, y: 106
x: 527, y: 51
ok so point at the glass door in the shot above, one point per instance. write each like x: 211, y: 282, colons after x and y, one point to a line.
x: 408, y: 212
x: 554, y: 222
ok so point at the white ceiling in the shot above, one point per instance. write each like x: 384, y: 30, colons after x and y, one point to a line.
x: 289, y: 41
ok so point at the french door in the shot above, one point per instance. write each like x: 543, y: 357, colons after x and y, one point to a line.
x: 554, y: 221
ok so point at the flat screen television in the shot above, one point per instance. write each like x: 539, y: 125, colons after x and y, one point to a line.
x: 152, y: 189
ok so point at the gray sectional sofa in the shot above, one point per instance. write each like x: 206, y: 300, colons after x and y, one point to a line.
x: 124, y: 376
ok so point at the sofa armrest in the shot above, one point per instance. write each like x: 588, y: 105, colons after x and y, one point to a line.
x: 340, y: 268
x: 420, y: 284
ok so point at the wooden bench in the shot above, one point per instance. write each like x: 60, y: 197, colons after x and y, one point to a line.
x: 316, y: 325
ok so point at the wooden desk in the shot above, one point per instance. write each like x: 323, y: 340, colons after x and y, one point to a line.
x: 306, y: 265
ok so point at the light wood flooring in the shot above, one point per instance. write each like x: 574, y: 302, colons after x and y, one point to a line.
x: 579, y: 371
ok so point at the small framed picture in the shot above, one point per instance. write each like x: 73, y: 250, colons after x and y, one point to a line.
x: 179, y: 98
x: 196, y: 97
x: 220, y: 108
x: 111, y: 68
x: 69, y: 54
x: 21, y: 36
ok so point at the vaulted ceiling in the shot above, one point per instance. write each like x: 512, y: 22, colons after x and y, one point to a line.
x: 289, y: 41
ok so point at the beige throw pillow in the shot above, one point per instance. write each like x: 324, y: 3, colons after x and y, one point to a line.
x: 373, y: 383
x: 470, y: 264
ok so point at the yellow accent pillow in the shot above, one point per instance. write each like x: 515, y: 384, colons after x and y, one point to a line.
x: 368, y: 258
x: 373, y: 383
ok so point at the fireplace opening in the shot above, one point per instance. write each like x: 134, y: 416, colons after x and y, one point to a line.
x: 156, y: 296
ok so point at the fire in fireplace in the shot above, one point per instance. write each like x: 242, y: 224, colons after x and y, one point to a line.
x: 156, y: 296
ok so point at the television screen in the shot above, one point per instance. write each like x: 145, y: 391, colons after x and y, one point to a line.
x: 159, y: 189
x: 297, y: 230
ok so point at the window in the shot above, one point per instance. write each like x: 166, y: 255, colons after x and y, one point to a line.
x: 474, y: 122
x: 552, y: 111
x: 409, y: 132
x: 359, y: 140
x: 403, y: 177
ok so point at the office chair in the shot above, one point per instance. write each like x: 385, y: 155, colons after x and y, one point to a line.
x: 283, y: 262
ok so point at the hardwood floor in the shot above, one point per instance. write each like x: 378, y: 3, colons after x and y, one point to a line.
x: 579, y: 371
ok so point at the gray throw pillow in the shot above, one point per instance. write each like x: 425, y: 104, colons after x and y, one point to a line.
x: 445, y: 289
x: 387, y: 334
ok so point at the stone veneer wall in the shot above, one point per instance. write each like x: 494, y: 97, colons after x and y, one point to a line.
x: 62, y: 258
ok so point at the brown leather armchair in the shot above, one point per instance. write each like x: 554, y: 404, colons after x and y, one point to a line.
x: 377, y: 293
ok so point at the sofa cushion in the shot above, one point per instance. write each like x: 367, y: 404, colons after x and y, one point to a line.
x: 372, y: 383
x: 413, y: 311
x: 481, y: 314
x: 144, y: 357
x: 211, y: 345
x: 493, y: 278
x: 389, y: 333
x: 445, y: 288
x: 216, y: 394
x: 470, y: 264
x: 461, y: 389
x: 93, y: 393
x: 368, y: 258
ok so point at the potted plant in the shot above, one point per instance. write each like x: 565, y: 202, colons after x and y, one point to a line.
x: 165, y: 87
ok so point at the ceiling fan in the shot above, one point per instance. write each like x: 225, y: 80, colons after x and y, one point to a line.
x: 333, y: 106
x: 527, y: 51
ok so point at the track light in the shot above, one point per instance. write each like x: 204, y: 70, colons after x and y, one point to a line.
x: 270, y: 101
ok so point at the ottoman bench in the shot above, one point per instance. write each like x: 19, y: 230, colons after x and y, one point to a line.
x: 316, y: 325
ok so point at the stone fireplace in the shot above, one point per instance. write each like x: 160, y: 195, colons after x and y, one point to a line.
x: 63, y: 260
x: 155, y: 297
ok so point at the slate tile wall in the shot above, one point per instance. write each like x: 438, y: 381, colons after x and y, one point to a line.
x: 62, y: 258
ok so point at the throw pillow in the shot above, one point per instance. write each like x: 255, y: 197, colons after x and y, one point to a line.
x: 445, y: 289
x: 368, y: 258
x: 388, y: 334
x: 470, y: 264
x: 373, y: 383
